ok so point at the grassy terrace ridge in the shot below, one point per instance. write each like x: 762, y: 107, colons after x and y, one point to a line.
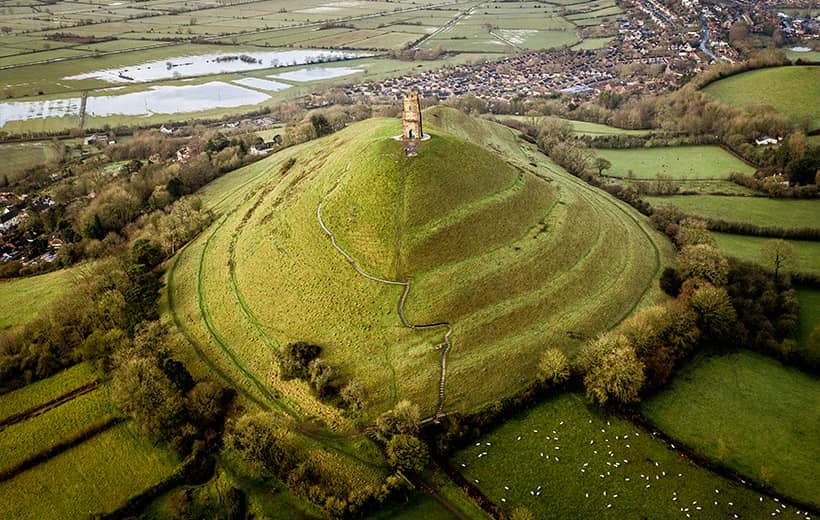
x: 749, y: 248
x: 794, y: 91
x: 563, y: 459
x: 752, y: 414
x: 95, y: 477
x: 760, y: 211
x: 491, y: 248
x: 677, y: 162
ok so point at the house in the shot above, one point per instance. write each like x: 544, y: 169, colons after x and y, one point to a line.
x: 99, y: 140
x: 765, y: 140
x: 183, y: 155
x: 262, y: 148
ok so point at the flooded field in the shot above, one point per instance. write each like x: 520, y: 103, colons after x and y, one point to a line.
x: 262, y: 84
x: 156, y: 100
x: 316, y: 73
x: 205, y: 64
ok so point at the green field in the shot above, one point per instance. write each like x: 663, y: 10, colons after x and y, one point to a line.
x: 793, y: 91
x: 45, y: 390
x: 580, y: 127
x: 752, y: 414
x: 19, y: 156
x: 24, y: 298
x: 760, y: 211
x: 97, y: 476
x: 562, y: 459
x: 270, y: 243
x: 680, y: 162
x: 47, y: 429
x: 749, y: 248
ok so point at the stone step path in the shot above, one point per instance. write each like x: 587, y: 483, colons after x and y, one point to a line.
x: 445, y: 344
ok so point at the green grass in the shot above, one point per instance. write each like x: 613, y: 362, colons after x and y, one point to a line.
x: 559, y: 461
x: 748, y: 248
x: 514, y: 274
x: 24, y: 298
x: 19, y: 156
x: 754, y: 210
x: 45, y: 430
x: 765, y: 415
x: 97, y: 476
x: 680, y: 162
x: 793, y: 91
x: 581, y: 127
x: 809, y: 318
x: 45, y: 390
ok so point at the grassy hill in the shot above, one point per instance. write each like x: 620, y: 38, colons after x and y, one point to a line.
x: 793, y: 91
x: 511, y: 250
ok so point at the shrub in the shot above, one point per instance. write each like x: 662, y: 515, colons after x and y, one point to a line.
x: 613, y: 372
x: 704, y: 262
x: 294, y: 359
x: 715, y: 312
x: 407, y: 453
x: 553, y: 366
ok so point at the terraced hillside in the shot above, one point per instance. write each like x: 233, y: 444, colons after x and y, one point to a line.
x: 495, y: 239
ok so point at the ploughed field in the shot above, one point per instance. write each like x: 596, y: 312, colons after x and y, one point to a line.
x: 515, y: 256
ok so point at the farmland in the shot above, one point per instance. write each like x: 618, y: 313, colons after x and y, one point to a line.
x: 68, y: 483
x: 41, y: 64
x: 750, y: 413
x: 580, y: 127
x: 681, y: 162
x: 793, y: 91
x: 24, y: 298
x: 563, y: 460
x: 217, y: 302
x: 760, y: 211
x: 749, y: 248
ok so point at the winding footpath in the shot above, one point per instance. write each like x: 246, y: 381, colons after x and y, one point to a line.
x: 445, y: 345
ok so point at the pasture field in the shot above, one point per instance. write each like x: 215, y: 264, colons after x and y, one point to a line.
x: 270, y: 243
x: 564, y: 459
x: 749, y: 413
x: 45, y: 390
x: 24, y: 298
x: 809, y: 317
x: 678, y: 162
x: 19, y: 156
x: 96, y: 476
x: 793, y: 91
x: 21, y: 440
x: 760, y: 211
x: 749, y: 248
x: 580, y: 127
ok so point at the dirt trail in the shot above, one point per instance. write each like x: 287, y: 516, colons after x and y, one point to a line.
x: 445, y: 345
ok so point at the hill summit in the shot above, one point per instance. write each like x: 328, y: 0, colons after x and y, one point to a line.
x: 513, y: 257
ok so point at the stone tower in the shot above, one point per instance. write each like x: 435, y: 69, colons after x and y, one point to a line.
x: 411, y: 117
